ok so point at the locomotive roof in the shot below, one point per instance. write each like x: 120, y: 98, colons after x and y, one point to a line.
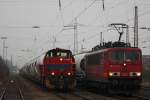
x: 115, y: 48
x: 107, y: 45
x: 40, y: 57
x: 59, y: 49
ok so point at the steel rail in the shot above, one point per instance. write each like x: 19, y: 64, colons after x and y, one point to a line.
x: 80, y: 96
x: 63, y: 97
x: 145, y: 88
x: 3, y: 93
x: 141, y: 97
x: 21, y: 94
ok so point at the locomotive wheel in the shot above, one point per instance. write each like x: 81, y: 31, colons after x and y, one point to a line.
x: 61, y: 84
x: 48, y: 84
x: 43, y: 82
x: 72, y: 85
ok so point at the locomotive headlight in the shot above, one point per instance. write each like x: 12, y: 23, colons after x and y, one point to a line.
x: 53, y: 73
x: 138, y: 74
x: 61, y: 59
x: 124, y: 64
x: 68, y: 73
x: 110, y: 74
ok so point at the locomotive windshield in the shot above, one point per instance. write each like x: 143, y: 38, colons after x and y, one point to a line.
x: 59, y: 53
x: 120, y: 56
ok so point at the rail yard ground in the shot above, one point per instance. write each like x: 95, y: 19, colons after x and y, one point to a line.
x: 32, y: 91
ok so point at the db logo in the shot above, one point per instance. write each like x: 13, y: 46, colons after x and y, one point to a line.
x: 124, y: 69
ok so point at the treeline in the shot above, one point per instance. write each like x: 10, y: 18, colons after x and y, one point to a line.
x: 4, y: 70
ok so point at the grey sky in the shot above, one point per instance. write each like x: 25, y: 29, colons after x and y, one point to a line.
x: 24, y: 42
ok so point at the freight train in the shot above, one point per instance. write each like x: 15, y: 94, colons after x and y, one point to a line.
x: 111, y: 66
x: 53, y: 69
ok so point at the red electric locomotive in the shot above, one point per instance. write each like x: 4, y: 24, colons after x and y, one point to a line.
x: 54, y: 69
x: 113, y: 66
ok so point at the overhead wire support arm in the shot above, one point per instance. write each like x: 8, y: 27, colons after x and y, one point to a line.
x: 85, y: 9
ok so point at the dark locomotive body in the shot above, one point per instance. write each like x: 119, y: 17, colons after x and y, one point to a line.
x: 54, y: 69
x: 115, y: 68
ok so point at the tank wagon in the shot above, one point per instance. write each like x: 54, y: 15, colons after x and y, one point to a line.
x: 53, y: 69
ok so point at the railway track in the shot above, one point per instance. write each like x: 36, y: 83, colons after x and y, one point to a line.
x: 2, y: 94
x: 82, y: 95
x: 11, y: 89
x: 141, y: 97
x: 145, y: 88
x: 7, y: 95
x: 71, y: 96
x: 21, y: 94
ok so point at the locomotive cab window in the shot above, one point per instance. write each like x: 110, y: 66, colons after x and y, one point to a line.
x: 49, y: 54
x: 117, y: 56
x: 120, y: 56
x: 62, y: 54
x: 132, y: 56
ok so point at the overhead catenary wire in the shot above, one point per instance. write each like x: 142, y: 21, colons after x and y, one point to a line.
x: 85, y: 9
x: 78, y: 15
x: 64, y: 29
x: 59, y: 32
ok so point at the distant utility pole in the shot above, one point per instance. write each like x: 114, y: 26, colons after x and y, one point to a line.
x: 6, y: 47
x: 11, y: 60
x: 103, y: 4
x: 60, y: 5
x: 75, y: 37
x: 101, y: 37
x: 54, y: 41
x: 75, y: 27
x: 3, y: 38
x: 82, y: 45
x: 35, y: 40
x: 136, y: 27
x: 127, y: 34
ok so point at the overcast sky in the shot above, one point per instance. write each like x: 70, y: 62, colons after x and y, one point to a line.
x: 17, y: 17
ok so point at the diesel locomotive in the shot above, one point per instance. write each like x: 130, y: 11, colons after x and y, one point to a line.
x: 53, y: 69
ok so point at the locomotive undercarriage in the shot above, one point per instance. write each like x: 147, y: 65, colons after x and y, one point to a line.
x: 116, y: 85
x: 60, y: 82
x: 124, y: 83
